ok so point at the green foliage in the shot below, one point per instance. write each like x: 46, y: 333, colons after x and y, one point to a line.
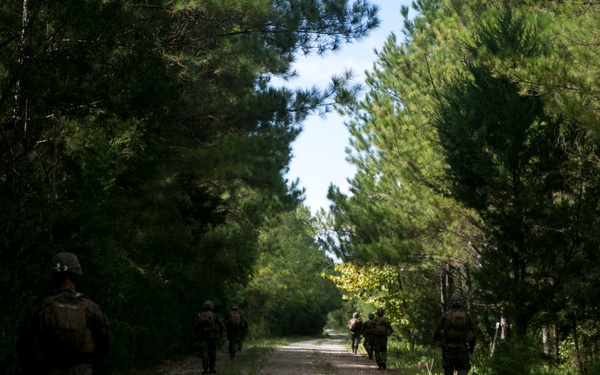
x: 415, y: 360
x: 518, y: 356
x: 407, y: 307
x: 398, y: 215
x: 253, y: 358
x: 476, y: 150
x: 287, y: 295
x: 148, y: 140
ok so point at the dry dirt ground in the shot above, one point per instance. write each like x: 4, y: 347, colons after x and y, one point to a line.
x: 324, y: 356
x: 315, y: 357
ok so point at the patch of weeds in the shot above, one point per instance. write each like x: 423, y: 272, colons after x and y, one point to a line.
x: 415, y: 361
x: 324, y: 368
x: 251, y: 360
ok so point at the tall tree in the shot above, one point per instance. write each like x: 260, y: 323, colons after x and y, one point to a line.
x: 468, y: 123
x: 289, y: 294
x: 148, y: 139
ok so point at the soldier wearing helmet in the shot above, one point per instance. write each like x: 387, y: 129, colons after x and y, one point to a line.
x: 455, y: 333
x: 355, y: 328
x: 206, y: 331
x: 368, y: 331
x: 237, y: 327
x: 383, y: 329
x: 44, y: 347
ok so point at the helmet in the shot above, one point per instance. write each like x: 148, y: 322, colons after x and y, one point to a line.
x: 66, y: 262
x: 355, y: 315
x: 208, y: 305
x: 455, y: 300
x: 371, y: 316
x: 234, y: 306
x: 380, y: 311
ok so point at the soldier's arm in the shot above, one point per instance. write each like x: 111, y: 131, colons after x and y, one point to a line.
x: 471, y: 327
x: 101, y: 333
x: 470, y: 323
x: 220, y: 325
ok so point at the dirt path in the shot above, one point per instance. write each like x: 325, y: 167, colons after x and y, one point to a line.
x: 321, y: 356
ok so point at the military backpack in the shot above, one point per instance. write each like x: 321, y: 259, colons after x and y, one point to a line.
x: 207, y: 322
x: 235, y: 320
x: 382, y: 327
x: 354, y: 325
x: 63, y: 325
x: 455, y: 325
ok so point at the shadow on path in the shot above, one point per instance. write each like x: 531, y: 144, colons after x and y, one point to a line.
x: 326, y: 356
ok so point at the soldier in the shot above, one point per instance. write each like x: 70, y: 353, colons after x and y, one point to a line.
x: 236, y: 326
x: 355, y: 327
x: 206, y: 330
x: 65, y: 331
x: 368, y: 330
x: 455, y: 331
x: 383, y: 329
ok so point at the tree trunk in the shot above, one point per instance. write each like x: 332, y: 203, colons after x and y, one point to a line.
x: 577, y: 349
x: 545, y: 339
x: 443, y: 288
x: 556, y: 347
x: 469, y: 288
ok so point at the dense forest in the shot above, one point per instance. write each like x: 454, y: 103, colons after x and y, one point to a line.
x: 149, y: 139
x: 478, y: 173
x: 145, y: 137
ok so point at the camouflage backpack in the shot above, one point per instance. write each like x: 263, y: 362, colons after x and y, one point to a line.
x: 354, y: 325
x: 370, y: 326
x: 206, y: 321
x: 63, y: 325
x: 381, y: 327
x: 235, y: 320
x: 455, y: 325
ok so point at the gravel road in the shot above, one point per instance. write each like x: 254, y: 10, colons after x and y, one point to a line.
x: 320, y: 356
x: 323, y: 356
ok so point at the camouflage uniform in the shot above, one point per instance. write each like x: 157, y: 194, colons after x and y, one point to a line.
x: 235, y: 335
x: 380, y: 339
x: 368, y: 330
x: 455, y: 352
x: 207, y: 340
x: 37, y: 353
x: 355, y: 332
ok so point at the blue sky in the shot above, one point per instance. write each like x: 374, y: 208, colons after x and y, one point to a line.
x: 319, y: 156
